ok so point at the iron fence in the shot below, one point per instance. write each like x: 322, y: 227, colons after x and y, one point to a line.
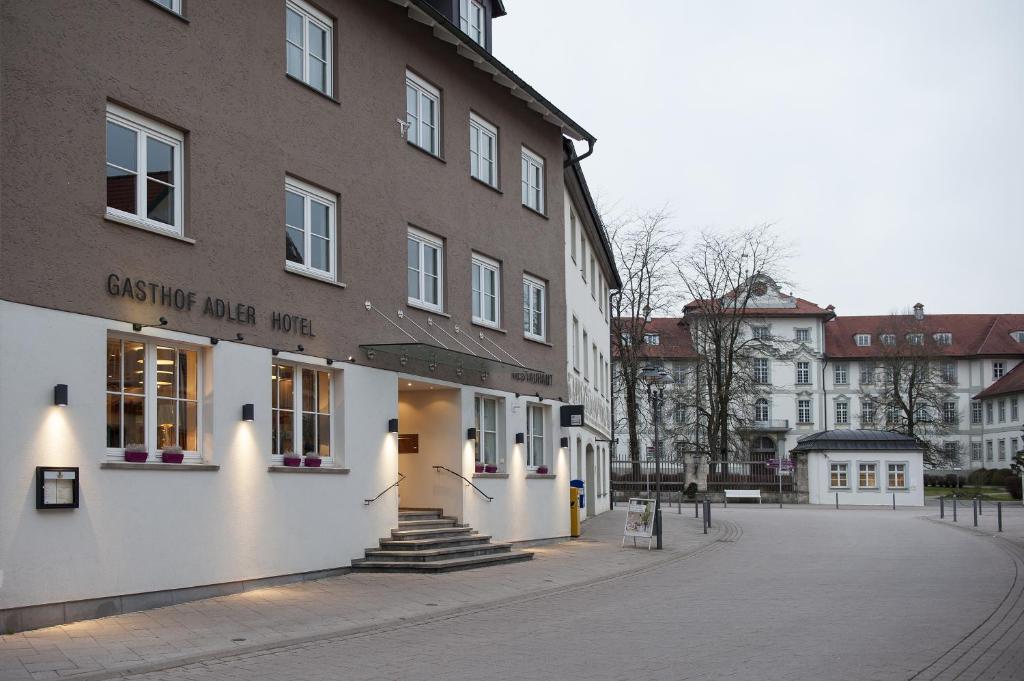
x: 633, y: 476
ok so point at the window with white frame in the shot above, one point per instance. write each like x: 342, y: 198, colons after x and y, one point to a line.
x: 310, y: 229
x: 533, y: 181
x: 300, y: 406
x: 483, y: 150
x: 761, y: 332
x: 593, y: 277
x: 997, y: 370
x: 988, y: 412
x: 572, y: 233
x: 988, y: 450
x: 803, y: 411
x: 975, y: 451
x: 952, y: 451
x: 841, y: 373
x: 679, y: 413
x: 152, y: 397
x: 486, y: 284
x: 839, y: 476
x: 486, y: 430
x: 842, y: 413
x: 144, y: 171
x: 586, y: 356
x: 603, y: 374
x: 943, y: 338
x: 862, y: 340
x: 803, y: 335
x: 803, y: 373
x: 1002, y: 450
x: 761, y: 370
x: 915, y: 338
x: 949, y: 412
x: 422, y: 114
x: 535, y: 309
x: 424, y: 269
x: 678, y: 373
x: 534, y: 435
x: 761, y: 410
x: 1014, y: 409
x: 472, y: 20
x: 1002, y: 411
x: 652, y: 339
x: 309, y: 45
x: 867, y: 475
x: 897, y: 476
x: 173, y: 5
x: 576, y: 344
x: 867, y: 373
x: 868, y: 410
x: 949, y: 372
x: 975, y: 413
x: 888, y: 339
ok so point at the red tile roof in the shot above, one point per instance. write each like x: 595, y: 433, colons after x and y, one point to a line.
x: 804, y: 308
x: 973, y: 334
x: 674, y: 340
x: 1012, y: 382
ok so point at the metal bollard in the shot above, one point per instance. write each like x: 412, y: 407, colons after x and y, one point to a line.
x: 975, y: 506
x: 707, y: 512
x: 942, y: 508
x: 981, y: 503
x: 837, y: 501
x: 679, y: 506
x: 954, y: 508
x: 999, y: 515
x: 696, y: 508
x: 894, y: 501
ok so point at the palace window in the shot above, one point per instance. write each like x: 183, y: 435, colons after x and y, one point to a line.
x: 761, y: 332
x: 897, y: 476
x: 1014, y: 410
x: 867, y: 476
x: 943, y: 338
x: 483, y: 150
x: 988, y: 412
x: 144, y: 171
x: 915, y: 338
x: 533, y: 180
x: 949, y: 372
x: 310, y: 229
x: 534, y: 435
x: 988, y: 450
x: 975, y: 413
x: 842, y: 413
x: 309, y: 45
x: 975, y: 451
x: 300, y: 407
x: 486, y: 290
x: 1002, y: 450
x: 422, y: 105
x: 761, y: 370
x: 153, y: 397
x: 803, y: 335
x: 486, y: 430
x: 586, y: 356
x: 424, y: 269
x: 535, y: 310
x: 997, y: 370
x: 471, y: 20
x: 1002, y: 411
x: 803, y: 411
x: 867, y: 412
x: 839, y: 476
x: 803, y: 373
x: 888, y: 339
x: 949, y: 412
x: 576, y: 343
x: 862, y: 340
x: 867, y: 374
x: 761, y: 410
x: 652, y: 339
x: 840, y: 374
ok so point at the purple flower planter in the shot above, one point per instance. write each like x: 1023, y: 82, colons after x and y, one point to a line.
x: 312, y: 463
x: 490, y: 468
x: 479, y: 468
x: 171, y: 457
x: 135, y: 457
x: 542, y: 470
x: 292, y: 461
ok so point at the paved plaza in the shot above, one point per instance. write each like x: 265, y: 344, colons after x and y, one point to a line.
x: 798, y: 593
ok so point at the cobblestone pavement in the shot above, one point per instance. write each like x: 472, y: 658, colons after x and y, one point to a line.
x: 799, y: 593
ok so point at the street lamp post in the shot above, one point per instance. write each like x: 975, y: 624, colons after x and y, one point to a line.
x: 656, y: 379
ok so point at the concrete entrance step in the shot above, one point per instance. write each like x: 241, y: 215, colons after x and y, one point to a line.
x: 433, y: 542
x: 441, y: 565
x: 443, y: 552
x: 419, y: 513
x: 454, y: 531
x: 426, y: 523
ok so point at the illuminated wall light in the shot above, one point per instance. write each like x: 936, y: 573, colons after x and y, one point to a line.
x: 564, y: 442
x: 248, y: 412
x: 520, y: 438
x: 392, y: 425
x: 60, y: 394
x: 471, y: 433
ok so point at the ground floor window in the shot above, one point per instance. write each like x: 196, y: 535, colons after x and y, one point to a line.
x: 897, y: 476
x: 534, y: 435
x: 868, y: 476
x: 300, y: 412
x: 839, y: 475
x: 152, y: 397
x: 975, y: 451
x: 487, y: 430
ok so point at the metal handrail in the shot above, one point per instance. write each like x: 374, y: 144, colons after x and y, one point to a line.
x: 445, y: 468
x: 367, y: 502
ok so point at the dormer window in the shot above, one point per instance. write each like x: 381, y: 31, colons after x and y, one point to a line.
x: 943, y: 338
x: 862, y: 340
x: 888, y: 339
x: 652, y: 339
x: 915, y: 338
x: 471, y: 20
x: 1018, y: 336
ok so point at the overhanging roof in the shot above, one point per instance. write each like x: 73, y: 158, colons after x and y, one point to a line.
x: 855, y: 440
x: 433, y: 354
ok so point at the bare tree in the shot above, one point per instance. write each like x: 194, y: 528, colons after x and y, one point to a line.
x: 912, y: 385
x: 644, y: 252
x: 723, y: 273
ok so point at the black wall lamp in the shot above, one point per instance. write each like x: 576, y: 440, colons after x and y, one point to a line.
x: 139, y: 327
x: 471, y: 433
x: 520, y: 438
x: 564, y: 443
x: 60, y: 395
x: 249, y: 412
x: 392, y: 425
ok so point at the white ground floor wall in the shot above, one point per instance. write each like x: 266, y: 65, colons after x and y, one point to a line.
x: 231, y: 515
x: 821, y: 491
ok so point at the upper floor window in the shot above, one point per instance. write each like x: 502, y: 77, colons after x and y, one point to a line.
x: 1002, y: 450
x: 572, y: 233
x: 535, y: 310
x: 803, y: 335
x: 1002, y: 411
x: 803, y: 373
x: 761, y: 411
x: 762, y: 332
x: 309, y: 45
x: 486, y: 290
x: 975, y: 413
x: 593, y: 278
x: 300, y: 406
x: 144, y: 177
x: 1018, y: 336
x: 949, y: 412
x: 652, y: 339
x: 761, y: 370
x: 422, y: 105
x: 867, y: 412
x: 310, y: 229
x: 471, y: 20
x: 533, y: 181
x: 583, y: 254
x: 862, y: 340
x: 842, y: 413
x: 988, y: 412
x: 803, y: 411
x: 483, y: 150
x: 173, y: 5
x: 975, y: 451
x: 943, y: 338
x: 988, y: 450
x: 888, y: 339
x: 840, y: 374
x: 534, y: 435
x: 586, y: 356
x: 997, y: 370
x: 576, y: 341
x: 949, y: 372
x: 1014, y: 410
x: 915, y: 338
x: 424, y: 269
x: 867, y: 373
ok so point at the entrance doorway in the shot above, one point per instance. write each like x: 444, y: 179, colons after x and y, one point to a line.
x: 589, y: 483
x: 429, y: 425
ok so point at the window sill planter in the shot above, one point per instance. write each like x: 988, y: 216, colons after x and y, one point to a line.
x: 135, y: 457
x: 542, y: 470
x: 312, y: 462
x: 490, y: 468
x: 293, y: 461
x: 171, y: 457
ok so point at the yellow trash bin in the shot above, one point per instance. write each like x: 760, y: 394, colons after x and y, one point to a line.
x: 574, y: 511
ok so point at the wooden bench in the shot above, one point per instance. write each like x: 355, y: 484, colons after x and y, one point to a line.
x: 742, y: 494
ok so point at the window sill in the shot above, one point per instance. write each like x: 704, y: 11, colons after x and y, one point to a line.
x: 141, y: 224
x: 424, y: 151
x: 156, y: 466
x: 542, y: 342
x: 489, y: 327
x: 535, y: 211
x: 311, y: 88
x: 540, y: 476
x: 424, y: 308
x: 292, y: 268
x: 169, y: 11
x: 490, y: 475
x: 327, y: 470
x: 489, y: 186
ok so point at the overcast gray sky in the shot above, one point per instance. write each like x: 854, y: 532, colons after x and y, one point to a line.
x: 885, y: 138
